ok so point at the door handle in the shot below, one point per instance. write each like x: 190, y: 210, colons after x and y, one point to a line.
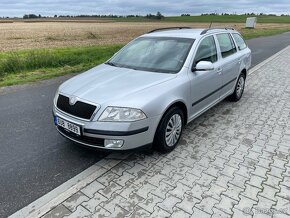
x: 219, y: 70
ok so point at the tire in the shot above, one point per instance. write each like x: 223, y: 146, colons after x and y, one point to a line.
x: 169, y: 130
x: 239, y: 88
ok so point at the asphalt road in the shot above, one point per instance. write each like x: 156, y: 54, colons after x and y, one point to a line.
x: 264, y: 47
x: 34, y: 158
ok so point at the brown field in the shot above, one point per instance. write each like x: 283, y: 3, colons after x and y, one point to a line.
x: 30, y: 35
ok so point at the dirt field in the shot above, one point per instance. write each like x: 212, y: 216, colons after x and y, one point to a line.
x: 19, y: 35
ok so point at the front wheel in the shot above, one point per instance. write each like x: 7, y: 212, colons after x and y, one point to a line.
x: 169, y: 130
x: 239, y: 88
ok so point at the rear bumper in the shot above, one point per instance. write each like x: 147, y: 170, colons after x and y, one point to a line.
x: 94, y: 133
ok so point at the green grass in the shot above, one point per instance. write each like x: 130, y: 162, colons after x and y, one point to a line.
x: 211, y: 18
x: 29, y: 66
x: 255, y: 33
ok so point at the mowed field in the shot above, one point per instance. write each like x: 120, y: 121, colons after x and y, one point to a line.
x: 31, y: 35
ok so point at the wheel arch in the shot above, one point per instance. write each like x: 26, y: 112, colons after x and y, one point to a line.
x: 178, y: 103
x: 182, y: 106
x: 244, y: 71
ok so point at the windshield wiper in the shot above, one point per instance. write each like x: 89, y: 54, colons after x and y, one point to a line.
x: 121, y: 66
x: 111, y: 64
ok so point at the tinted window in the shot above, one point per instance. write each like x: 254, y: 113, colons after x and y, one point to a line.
x: 240, y: 41
x: 227, y: 45
x: 206, y: 51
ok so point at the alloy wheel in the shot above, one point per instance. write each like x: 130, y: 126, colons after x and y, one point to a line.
x: 240, y: 86
x: 173, y: 130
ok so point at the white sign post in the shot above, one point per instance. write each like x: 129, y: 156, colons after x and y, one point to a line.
x: 251, y: 22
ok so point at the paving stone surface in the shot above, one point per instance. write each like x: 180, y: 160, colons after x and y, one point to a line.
x: 233, y: 161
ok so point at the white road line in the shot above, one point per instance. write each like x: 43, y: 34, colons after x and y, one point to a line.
x: 55, y: 197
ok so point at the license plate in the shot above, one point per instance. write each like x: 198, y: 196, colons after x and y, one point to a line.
x: 68, y: 126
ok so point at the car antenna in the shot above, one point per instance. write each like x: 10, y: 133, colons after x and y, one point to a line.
x: 210, y: 25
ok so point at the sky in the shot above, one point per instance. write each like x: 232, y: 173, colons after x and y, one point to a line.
x: 17, y: 8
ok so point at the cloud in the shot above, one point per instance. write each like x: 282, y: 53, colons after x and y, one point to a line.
x: 142, y: 7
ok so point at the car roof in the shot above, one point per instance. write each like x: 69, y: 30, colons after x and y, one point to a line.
x: 186, y: 33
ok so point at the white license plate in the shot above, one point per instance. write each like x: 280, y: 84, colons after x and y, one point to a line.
x: 68, y: 126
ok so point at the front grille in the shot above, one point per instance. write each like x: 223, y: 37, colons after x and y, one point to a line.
x: 85, y: 139
x: 79, y: 109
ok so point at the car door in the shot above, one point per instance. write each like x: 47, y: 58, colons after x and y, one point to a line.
x: 205, y: 85
x: 244, y: 51
x: 230, y: 62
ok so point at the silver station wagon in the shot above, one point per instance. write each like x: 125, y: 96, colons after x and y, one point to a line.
x: 149, y: 90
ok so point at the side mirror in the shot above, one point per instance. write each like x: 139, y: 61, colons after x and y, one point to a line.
x: 203, y: 66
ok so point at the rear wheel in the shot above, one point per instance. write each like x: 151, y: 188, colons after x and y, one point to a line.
x: 169, y: 130
x: 239, y: 89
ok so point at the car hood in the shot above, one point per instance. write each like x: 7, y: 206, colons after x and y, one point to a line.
x: 105, y: 83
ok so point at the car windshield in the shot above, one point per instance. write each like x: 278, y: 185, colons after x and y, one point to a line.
x: 155, y: 54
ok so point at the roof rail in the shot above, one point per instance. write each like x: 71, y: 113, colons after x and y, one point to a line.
x: 168, y: 28
x: 219, y: 28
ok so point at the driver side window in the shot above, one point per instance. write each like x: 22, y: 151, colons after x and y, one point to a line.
x: 206, y: 51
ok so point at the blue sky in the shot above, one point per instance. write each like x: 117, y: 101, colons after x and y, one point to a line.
x: 142, y: 7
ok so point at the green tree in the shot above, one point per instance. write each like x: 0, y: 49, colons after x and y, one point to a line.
x: 159, y: 16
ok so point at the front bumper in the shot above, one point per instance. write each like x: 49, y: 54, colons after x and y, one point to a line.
x: 94, y: 133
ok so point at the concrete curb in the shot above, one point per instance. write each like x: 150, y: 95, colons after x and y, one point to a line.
x: 50, y: 200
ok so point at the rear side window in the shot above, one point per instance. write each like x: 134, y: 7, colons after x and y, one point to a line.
x: 206, y: 51
x: 240, y: 41
x: 227, y: 45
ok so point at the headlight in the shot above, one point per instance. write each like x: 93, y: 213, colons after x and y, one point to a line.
x: 121, y: 114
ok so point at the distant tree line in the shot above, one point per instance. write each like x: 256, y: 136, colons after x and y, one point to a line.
x: 157, y: 16
x: 31, y: 16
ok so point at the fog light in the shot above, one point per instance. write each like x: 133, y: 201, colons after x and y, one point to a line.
x: 114, y: 143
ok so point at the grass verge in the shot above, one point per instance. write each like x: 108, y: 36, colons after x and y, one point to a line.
x: 29, y: 66
x: 249, y: 33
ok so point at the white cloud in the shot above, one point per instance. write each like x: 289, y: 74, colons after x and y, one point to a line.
x: 123, y: 7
